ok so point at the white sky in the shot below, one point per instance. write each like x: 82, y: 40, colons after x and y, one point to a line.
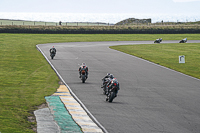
x: 185, y: 0
x: 101, y: 6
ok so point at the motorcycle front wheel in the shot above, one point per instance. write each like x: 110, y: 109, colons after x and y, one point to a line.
x: 52, y: 56
x: 111, y: 96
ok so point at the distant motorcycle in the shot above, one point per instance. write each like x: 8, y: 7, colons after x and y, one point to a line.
x: 183, y: 40
x: 52, y: 52
x: 112, y: 93
x: 158, y: 40
x: 83, y: 76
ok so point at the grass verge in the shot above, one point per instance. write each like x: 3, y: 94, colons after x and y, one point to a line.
x: 26, y: 77
x: 168, y: 55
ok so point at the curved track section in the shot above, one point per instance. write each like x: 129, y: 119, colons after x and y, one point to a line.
x: 152, y: 98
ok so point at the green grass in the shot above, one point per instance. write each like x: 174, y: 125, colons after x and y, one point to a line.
x: 168, y: 55
x: 26, y: 77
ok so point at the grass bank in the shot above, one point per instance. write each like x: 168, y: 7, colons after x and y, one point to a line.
x: 125, y: 29
x: 26, y: 77
x: 168, y: 55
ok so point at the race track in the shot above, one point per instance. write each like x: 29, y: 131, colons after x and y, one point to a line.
x: 152, y: 99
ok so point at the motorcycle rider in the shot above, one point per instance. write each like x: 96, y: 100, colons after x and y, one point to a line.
x: 83, y: 67
x: 158, y: 40
x: 114, y: 82
x: 109, y: 77
x: 52, y: 51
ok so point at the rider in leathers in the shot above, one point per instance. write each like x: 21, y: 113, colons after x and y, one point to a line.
x: 83, y: 67
x: 114, y: 82
x: 108, y: 77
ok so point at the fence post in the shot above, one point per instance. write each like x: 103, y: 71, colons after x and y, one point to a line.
x: 77, y: 23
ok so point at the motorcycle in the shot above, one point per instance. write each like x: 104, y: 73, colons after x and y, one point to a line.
x: 158, y: 40
x: 52, y: 55
x: 112, y: 93
x: 183, y: 40
x: 83, y: 76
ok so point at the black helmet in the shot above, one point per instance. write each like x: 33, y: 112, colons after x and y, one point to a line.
x: 111, y: 76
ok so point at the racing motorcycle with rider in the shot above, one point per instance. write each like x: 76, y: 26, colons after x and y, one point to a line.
x: 113, y: 89
x: 52, y: 52
x: 83, y: 72
x: 106, y: 81
x: 158, y: 40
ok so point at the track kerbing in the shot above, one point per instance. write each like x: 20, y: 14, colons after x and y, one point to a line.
x: 76, y: 111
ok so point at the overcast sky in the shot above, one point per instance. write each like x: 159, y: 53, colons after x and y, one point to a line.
x: 101, y: 6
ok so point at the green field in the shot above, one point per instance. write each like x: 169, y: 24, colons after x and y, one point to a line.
x: 26, y: 77
x: 168, y: 55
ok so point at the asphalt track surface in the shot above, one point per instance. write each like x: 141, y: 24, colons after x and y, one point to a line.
x: 152, y: 98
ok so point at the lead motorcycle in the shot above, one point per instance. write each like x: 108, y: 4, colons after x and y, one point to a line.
x: 183, y: 40
x: 112, y: 93
x: 158, y: 40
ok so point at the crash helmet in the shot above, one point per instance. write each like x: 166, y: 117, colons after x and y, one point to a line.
x: 108, y: 74
x: 111, y: 76
x: 84, y: 64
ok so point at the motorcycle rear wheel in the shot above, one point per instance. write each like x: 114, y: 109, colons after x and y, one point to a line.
x: 83, y: 78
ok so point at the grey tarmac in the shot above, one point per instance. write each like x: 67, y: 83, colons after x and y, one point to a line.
x: 45, y: 121
x: 152, y: 98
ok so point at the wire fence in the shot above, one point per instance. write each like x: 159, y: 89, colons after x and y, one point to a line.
x: 40, y: 23
x: 7, y: 22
